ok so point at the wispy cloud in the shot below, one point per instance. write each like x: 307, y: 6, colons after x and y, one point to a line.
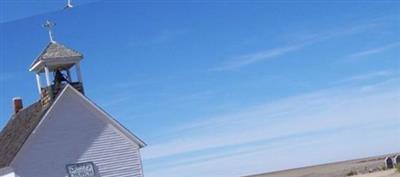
x: 306, y: 40
x: 292, y: 122
x: 247, y: 59
x: 369, y: 76
x: 162, y: 37
x: 296, y: 152
x: 4, y: 77
x: 373, y: 51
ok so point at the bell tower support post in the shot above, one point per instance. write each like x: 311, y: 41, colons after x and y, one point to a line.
x: 46, y: 70
x: 78, y: 72
x: 38, y: 83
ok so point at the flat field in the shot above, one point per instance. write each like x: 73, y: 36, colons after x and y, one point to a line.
x: 366, y: 167
x: 386, y: 173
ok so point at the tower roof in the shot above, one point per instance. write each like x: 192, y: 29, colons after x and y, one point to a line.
x: 57, y: 53
x: 54, y: 51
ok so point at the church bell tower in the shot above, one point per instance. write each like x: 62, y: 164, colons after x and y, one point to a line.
x: 54, y: 66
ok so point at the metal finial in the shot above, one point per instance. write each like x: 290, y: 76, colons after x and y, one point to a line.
x: 69, y: 5
x: 49, y: 25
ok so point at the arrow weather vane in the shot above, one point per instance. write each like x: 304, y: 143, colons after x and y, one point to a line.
x: 49, y: 25
x: 69, y: 5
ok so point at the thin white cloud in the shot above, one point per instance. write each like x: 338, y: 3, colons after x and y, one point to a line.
x: 291, y: 153
x: 4, y: 77
x: 373, y: 51
x: 247, y: 59
x: 369, y: 76
x: 163, y: 37
x: 252, y: 58
x: 269, y: 129
x: 327, y: 109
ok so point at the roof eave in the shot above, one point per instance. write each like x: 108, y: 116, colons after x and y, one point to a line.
x: 36, y: 66
x: 54, y: 61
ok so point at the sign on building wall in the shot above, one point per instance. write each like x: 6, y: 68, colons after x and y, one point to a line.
x: 85, y: 169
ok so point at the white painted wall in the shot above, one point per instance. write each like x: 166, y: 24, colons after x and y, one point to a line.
x: 7, y: 172
x: 73, y: 133
x: 8, y: 175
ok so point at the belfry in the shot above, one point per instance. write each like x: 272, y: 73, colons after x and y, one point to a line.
x: 56, y: 63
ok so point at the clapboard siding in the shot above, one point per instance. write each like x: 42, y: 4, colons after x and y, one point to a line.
x: 73, y: 132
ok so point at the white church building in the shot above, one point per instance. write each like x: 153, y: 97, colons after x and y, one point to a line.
x: 65, y: 134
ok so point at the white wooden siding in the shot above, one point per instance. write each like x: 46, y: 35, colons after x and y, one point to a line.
x: 73, y: 132
x: 7, y: 172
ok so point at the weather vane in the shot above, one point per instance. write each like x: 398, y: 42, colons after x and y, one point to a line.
x: 69, y: 4
x: 49, y: 25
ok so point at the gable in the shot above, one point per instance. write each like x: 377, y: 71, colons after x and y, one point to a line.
x: 73, y: 131
x: 29, y: 120
x: 74, y: 96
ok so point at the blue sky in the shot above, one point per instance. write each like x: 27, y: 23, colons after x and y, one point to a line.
x: 219, y: 88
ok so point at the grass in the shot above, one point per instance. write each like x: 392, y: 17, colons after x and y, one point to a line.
x: 398, y: 168
x: 382, y: 168
x: 351, y: 173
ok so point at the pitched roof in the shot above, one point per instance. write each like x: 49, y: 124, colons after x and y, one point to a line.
x: 55, y: 50
x: 17, y: 130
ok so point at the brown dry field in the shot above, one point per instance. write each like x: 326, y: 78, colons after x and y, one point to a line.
x: 387, y: 173
x: 339, y: 169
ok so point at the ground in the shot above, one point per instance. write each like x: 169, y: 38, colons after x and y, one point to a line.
x: 366, y: 167
x: 387, y: 173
